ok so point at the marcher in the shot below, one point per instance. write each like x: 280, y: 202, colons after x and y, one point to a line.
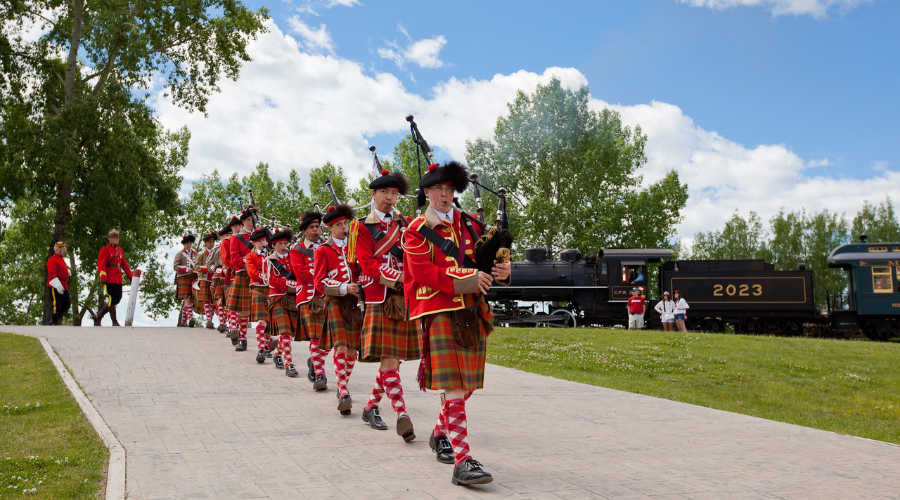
x: 438, y: 291
x: 259, y: 292
x: 282, y: 302
x: 637, y: 308
x: 681, y: 307
x: 666, y: 310
x: 309, y: 307
x: 58, y: 281
x: 234, y: 228
x: 205, y: 269
x: 239, y: 301
x: 111, y: 264
x: 337, y: 282
x: 388, y: 337
x: 217, y: 285
x: 184, y: 279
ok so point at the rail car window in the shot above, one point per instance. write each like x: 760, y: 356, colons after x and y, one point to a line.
x: 882, y: 280
x: 604, y: 271
x: 877, y: 249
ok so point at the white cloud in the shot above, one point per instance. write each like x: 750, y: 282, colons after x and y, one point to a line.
x: 345, y: 3
x: 425, y: 53
x: 314, y: 40
x: 816, y: 8
x: 880, y: 166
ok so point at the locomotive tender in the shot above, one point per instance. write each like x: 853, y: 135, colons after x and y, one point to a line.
x: 749, y: 295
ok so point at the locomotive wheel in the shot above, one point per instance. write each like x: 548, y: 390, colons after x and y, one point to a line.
x: 879, y: 331
x: 712, y: 326
x: 569, y: 318
x: 753, y: 327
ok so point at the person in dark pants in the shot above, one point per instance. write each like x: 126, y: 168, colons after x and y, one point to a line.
x: 58, y: 281
x: 111, y: 264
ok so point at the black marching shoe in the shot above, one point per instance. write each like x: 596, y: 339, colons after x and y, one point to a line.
x: 405, y: 429
x: 235, y: 337
x: 345, y: 404
x: 311, y: 374
x: 210, y: 326
x: 470, y: 472
x: 321, y: 383
x: 290, y: 371
x: 222, y: 328
x: 191, y: 323
x: 279, y: 363
x: 372, y: 416
x: 181, y: 325
x: 260, y: 356
x: 440, y: 445
x: 242, y: 346
x: 268, y: 352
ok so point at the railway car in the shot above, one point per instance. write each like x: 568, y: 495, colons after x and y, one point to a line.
x: 872, y: 301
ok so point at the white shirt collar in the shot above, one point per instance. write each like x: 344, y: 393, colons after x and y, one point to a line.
x: 340, y: 243
x: 313, y: 244
x: 445, y: 216
x: 382, y: 215
x: 281, y: 255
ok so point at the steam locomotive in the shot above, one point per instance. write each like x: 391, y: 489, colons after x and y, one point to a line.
x: 748, y: 295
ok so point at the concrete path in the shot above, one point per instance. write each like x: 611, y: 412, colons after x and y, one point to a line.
x: 199, y: 420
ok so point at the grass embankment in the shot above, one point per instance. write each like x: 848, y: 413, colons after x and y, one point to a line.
x: 48, y: 449
x: 842, y: 386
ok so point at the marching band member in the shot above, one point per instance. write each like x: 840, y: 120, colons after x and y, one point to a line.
x: 204, y: 268
x: 282, y: 303
x: 234, y: 228
x: 184, y: 279
x: 309, y: 316
x: 217, y: 286
x: 58, y: 281
x: 111, y: 264
x: 259, y: 291
x: 337, y: 282
x: 388, y: 337
x: 239, y: 301
x: 447, y: 297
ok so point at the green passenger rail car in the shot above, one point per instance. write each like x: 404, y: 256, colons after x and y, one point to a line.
x: 872, y: 304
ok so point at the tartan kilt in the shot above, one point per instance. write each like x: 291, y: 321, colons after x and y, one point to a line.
x: 258, y: 308
x: 217, y: 289
x: 183, y: 288
x: 449, y: 365
x: 239, y: 296
x: 337, y: 332
x: 281, y: 321
x: 309, y: 325
x: 203, y: 294
x: 383, y: 337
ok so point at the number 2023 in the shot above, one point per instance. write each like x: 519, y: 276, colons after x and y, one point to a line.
x: 740, y: 290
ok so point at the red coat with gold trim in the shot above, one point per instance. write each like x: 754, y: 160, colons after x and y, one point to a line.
x: 304, y: 269
x: 255, y: 262
x: 111, y: 264
x: 57, y: 268
x: 278, y: 284
x: 237, y: 252
x: 331, y: 269
x: 434, y: 282
x: 387, y: 271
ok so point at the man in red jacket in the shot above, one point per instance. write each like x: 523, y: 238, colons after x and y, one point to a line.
x: 282, y: 301
x: 239, y: 301
x: 259, y: 290
x: 309, y: 319
x: 58, y: 281
x: 111, y: 264
x: 447, y: 297
x: 234, y: 228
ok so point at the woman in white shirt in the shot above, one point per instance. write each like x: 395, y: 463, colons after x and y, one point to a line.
x: 666, y: 310
x: 681, y: 307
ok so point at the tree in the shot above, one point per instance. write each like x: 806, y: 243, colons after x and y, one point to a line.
x: 741, y: 239
x: 74, y: 131
x: 572, y: 175
x: 878, y: 223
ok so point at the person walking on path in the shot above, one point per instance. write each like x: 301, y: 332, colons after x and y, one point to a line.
x: 666, y: 310
x: 259, y: 293
x: 637, y: 308
x: 184, y: 280
x: 309, y: 307
x: 205, y: 269
x: 234, y: 228
x: 681, y: 307
x: 217, y: 285
x: 282, y: 301
x: 58, y: 281
x: 239, y: 302
x: 111, y: 265
x: 444, y: 295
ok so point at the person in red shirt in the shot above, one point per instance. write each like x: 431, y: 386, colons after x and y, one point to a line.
x: 309, y: 317
x: 217, y: 287
x: 338, y: 283
x: 239, y: 301
x: 111, y: 264
x: 58, y: 281
x: 205, y: 269
x: 259, y: 291
x: 388, y: 337
x: 234, y: 228
x: 184, y: 280
x: 282, y: 303
x: 637, y: 308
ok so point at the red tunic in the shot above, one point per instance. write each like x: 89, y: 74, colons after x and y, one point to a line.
x: 377, y: 272
x: 237, y: 252
x: 57, y: 268
x: 256, y: 268
x: 224, y: 247
x: 278, y: 284
x: 111, y: 263
x: 304, y: 270
x: 331, y: 268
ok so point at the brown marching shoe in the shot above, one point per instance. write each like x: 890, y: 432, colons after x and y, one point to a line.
x: 405, y: 429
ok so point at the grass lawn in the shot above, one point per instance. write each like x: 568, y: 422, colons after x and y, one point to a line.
x: 851, y: 387
x: 48, y: 449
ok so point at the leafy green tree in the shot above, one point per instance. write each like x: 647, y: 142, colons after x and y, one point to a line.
x: 879, y: 223
x: 318, y: 192
x: 573, y: 175
x: 740, y: 239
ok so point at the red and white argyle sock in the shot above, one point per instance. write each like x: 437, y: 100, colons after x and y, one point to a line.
x: 261, y: 340
x: 207, y: 312
x: 394, y: 391
x: 340, y: 372
x: 318, y: 357
x: 220, y: 312
x: 187, y: 313
x: 232, y: 320
x: 351, y: 362
x: 243, y: 321
x: 377, y: 392
x: 457, y: 429
x: 440, y: 429
x: 284, y: 345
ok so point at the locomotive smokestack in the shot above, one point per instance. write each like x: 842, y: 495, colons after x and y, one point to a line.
x: 863, y: 238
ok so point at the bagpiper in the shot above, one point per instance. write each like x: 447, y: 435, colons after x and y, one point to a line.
x: 111, y: 264
x: 234, y: 228
x: 184, y: 279
x: 309, y: 307
x: 337, y: 282
x: 217, y: 284
x: 388, y: 337
x: 239, y: 301
x: 259, y: 290
x: 448, y: 299
x: 205, y: 270
x: 282, y: 302
x: 58, y: 281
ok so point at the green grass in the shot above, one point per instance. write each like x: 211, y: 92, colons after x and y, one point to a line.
x: 48, y: 449
x: 850, y: 387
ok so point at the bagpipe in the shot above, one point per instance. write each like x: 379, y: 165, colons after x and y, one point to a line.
x: 495, y: 241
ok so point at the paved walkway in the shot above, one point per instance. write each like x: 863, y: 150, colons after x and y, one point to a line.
x: 199, y: 420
